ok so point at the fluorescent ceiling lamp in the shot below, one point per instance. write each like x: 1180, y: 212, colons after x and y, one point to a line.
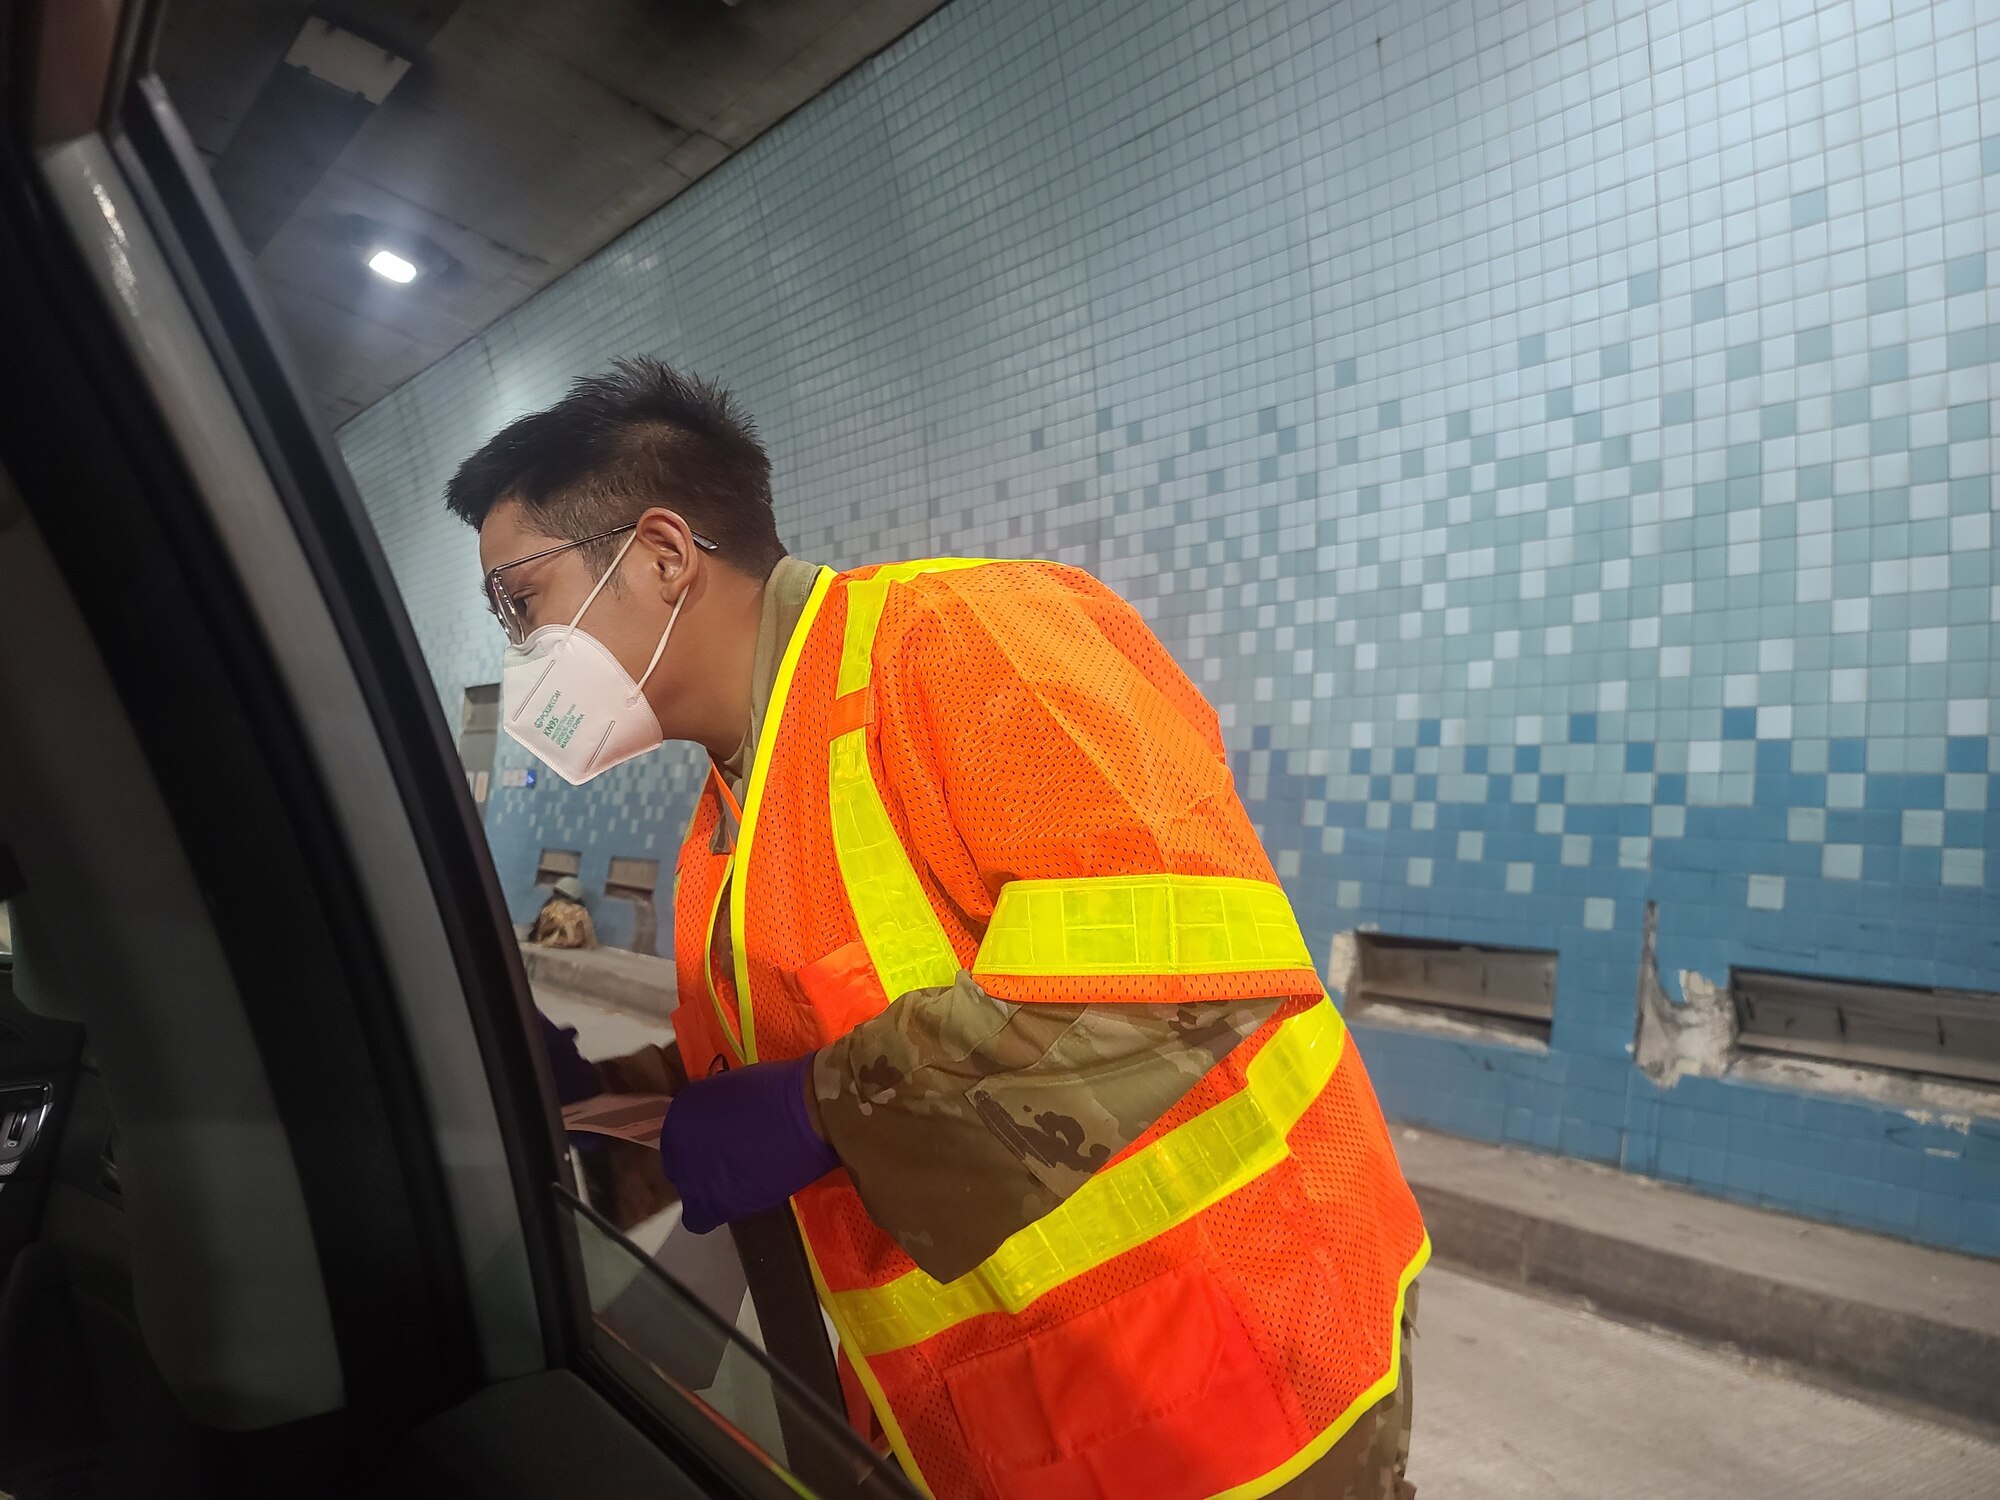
x: 388, y: 263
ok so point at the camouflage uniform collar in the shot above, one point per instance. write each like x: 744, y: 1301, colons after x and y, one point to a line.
x: 785, y: 595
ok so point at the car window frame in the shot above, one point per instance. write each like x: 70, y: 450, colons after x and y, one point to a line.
x: 213, y: 276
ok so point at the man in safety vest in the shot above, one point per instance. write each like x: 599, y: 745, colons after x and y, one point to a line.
x: 982, y: 967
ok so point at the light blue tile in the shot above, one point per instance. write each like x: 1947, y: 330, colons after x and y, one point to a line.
x: 1964, y: 867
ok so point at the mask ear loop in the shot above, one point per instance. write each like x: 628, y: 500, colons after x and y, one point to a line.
x: 591, y: 597
x: 640, y: 686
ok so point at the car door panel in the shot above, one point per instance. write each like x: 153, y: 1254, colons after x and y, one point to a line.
x: 299, y: 775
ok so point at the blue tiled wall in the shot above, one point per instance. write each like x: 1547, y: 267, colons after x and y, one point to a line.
x: 1557, y: 435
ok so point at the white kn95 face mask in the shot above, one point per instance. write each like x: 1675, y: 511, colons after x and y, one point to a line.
x: 565, y: 697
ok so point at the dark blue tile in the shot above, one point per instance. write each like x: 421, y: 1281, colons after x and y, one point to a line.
x: 1639, y: 756
x: 1801, y: 860
x: 1847, y: 755
x: 1739, y: 723
x: 1964, y: 830
x: 1965, y: 753
x: 1475, y: 760
x: 1670, y: 789
x: 1940, y: 1219
x: 1527, y: 757
x: 1429, y: 731
x: 1583, y: 729
x: 1920, y: 866
x: 1675, y: 1160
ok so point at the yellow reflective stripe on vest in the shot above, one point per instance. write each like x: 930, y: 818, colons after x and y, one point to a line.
x: 1141, y: 924
x: 725, y: 1032
x: 1123, y: 1206
x: 753, y: 802
x: 905, y: 941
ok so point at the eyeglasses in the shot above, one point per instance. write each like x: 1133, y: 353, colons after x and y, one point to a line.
x: 512, y: 613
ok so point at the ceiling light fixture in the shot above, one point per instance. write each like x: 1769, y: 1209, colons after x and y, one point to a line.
x: 388, y: 263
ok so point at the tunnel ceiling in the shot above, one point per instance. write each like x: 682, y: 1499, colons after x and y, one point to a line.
x: 493, y: 143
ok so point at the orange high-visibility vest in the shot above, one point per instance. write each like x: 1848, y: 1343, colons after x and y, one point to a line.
x: 997, y: 767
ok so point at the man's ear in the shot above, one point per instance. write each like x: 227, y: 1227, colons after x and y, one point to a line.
x: 673, y: 561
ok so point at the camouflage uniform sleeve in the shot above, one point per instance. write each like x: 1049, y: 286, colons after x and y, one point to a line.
x: 962, y: 1118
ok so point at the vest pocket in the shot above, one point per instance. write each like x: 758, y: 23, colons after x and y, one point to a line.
x: 1157, y: 1392
x: 840, y: 991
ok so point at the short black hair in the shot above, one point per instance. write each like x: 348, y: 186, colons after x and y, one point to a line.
x: 644, y: 434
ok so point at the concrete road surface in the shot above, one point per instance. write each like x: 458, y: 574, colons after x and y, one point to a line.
x: 1522, y: 1399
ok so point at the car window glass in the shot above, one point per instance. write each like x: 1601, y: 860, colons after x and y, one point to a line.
x: 667, y: 1347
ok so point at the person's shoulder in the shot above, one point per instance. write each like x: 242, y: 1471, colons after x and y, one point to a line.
x: 959, y: 621
x: 1000, y: 579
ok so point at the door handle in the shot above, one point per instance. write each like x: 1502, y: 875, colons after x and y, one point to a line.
x: 24, y: 1109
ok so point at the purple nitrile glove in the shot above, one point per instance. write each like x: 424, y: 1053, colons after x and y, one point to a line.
x: 576, y: 1077
x: 739, y: 1142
